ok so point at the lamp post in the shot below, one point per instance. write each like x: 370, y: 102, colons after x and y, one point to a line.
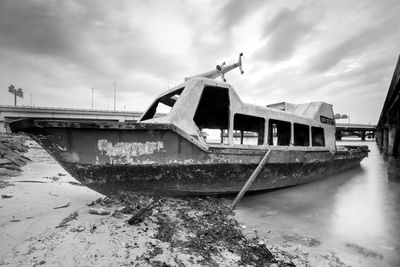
x: 15, y: 92
x: 115, y: 95
x: 92, y: 96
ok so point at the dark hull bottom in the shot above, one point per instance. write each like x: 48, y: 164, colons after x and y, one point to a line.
x: 200, y: 179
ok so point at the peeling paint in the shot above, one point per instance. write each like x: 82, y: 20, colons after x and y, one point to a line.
x: 128, y: 149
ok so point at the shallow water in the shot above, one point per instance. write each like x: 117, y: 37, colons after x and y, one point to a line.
x: 354, y: 214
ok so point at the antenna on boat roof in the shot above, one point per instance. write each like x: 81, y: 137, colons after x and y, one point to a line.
x: 220, y: 70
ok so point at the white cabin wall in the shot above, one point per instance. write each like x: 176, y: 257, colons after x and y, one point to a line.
x: 330, y: 139
x: 185, y: 107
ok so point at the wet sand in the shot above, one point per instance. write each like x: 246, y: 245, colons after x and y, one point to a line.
x: 46, y: 221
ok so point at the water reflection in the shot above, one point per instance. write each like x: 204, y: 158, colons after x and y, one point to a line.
x: 355, y: 213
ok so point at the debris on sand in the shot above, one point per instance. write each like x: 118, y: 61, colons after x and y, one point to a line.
x: 92, y: 228
x: 364, y: 251
x: 31, y: 181
x: 200, y: 228
x: 79, y: 228
x: 139, y: 216
x: 6, y: 196
x: 98, y: 211
x: 334, y: 260
x: 65, y: 221
x: 103, y: 201
x: 75, y: 183
x: 63, y: 206
x: 207, y: 219
x: 306, y: 241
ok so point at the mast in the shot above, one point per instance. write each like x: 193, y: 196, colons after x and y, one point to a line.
x: 220, y: 70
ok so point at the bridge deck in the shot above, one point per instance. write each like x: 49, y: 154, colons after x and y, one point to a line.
x: 8, y: 113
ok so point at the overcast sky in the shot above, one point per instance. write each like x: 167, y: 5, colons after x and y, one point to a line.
x: 342, y: 52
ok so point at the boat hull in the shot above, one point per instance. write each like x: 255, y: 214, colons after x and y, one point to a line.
x: 200, y: 179
x: 108, y: 157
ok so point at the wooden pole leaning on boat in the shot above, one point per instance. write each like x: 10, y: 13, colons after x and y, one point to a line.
x: 251, y: 179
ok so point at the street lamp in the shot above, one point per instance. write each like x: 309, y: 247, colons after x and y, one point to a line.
x: 92, y: 96
x: 16, y: 92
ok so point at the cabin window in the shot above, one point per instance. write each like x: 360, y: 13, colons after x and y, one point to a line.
x: 249, y: 130
x: 327, y: 120
x: 301, y: 134
x: 317, y: 136
x: 212, y: 114
x: 163, y: 105
x: 279, y: 133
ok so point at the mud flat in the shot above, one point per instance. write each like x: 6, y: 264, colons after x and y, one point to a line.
x: 48, y: 219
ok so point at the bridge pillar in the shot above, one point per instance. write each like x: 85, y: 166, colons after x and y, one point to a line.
x: 396, y: 144
x: 362, y: 135
x: 379, y: 137
x: 391, y: 139
x: 385, y: 139
x: 338, y: 136
x: 393, y: 114
x: 2, y: 127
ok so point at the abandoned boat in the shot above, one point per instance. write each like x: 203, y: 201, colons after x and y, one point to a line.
x: 208, y: 142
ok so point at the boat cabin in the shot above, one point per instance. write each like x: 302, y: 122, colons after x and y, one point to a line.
x: 212, y: 113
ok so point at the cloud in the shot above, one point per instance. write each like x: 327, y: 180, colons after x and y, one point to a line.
x: 235, y: 11
x: 374, y: 33
x: 283, y: 35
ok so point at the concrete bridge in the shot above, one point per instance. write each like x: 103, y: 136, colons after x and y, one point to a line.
x: 388, y: 127
x: 10, y: 113
x: 353, y: 129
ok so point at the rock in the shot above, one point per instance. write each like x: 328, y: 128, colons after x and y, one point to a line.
x: 11, y: 158
x: 16, y: 159
x: 4, y: 161
x: 11, y: 167
x: 8, y: 173
x: 4, y: 184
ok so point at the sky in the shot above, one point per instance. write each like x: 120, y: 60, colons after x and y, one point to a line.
x: 341, y: 52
